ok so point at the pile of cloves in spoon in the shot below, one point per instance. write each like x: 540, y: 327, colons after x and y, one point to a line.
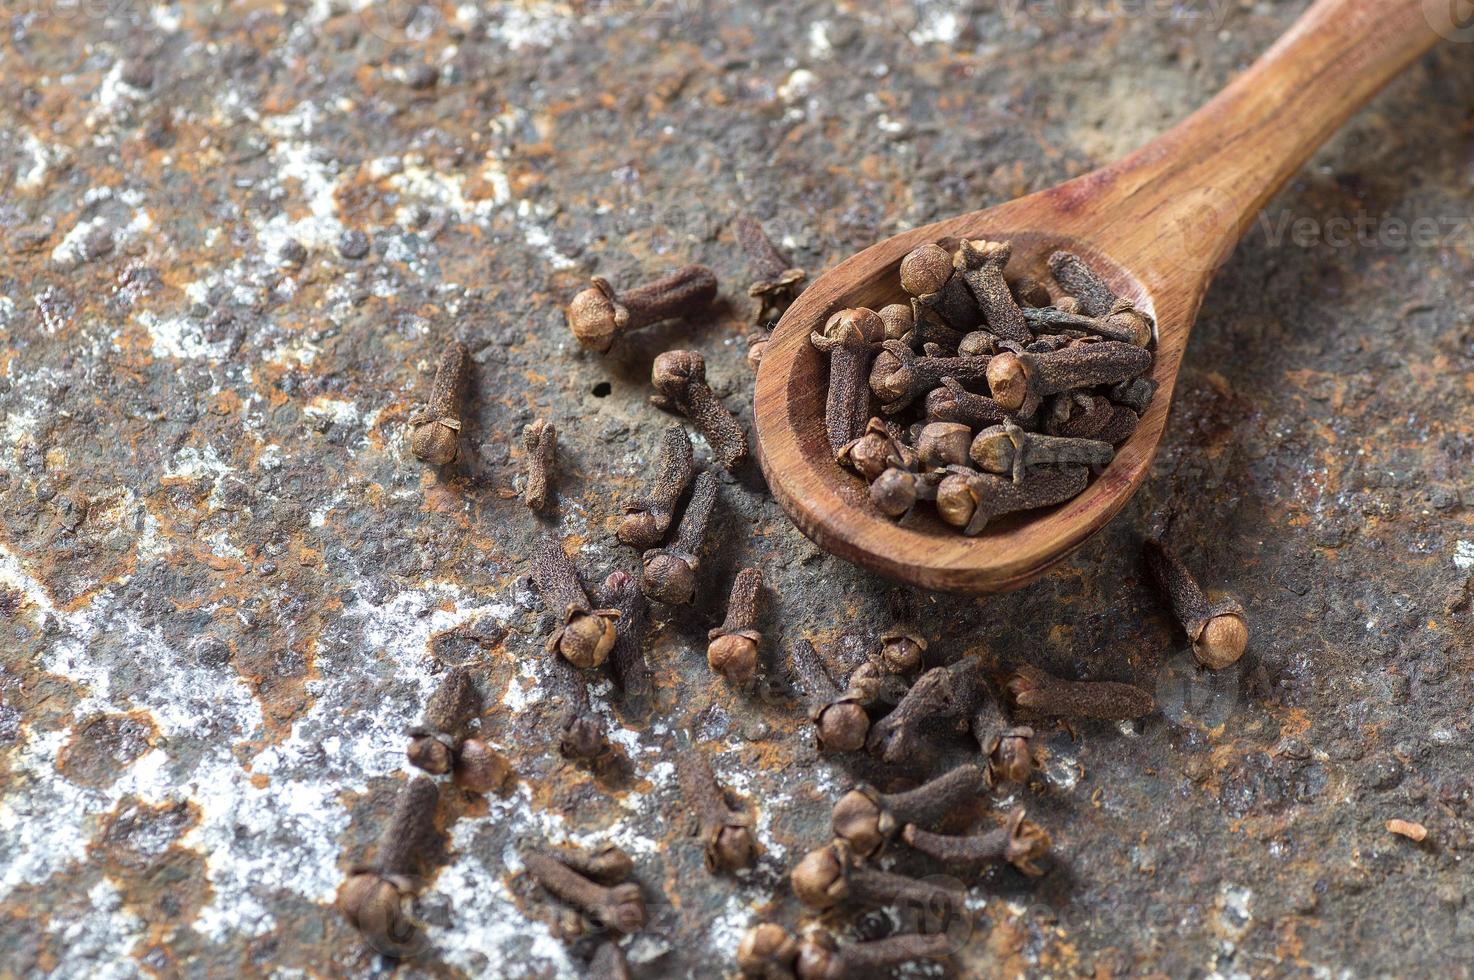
x: 993, y: 398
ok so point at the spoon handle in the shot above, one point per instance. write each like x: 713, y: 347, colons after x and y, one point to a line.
x: 1200, y: 184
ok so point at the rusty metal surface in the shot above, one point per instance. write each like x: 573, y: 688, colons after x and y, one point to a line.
x: 226, y: 589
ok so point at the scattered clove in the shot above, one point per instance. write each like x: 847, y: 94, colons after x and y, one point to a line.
x: 953, y: 403
x: 899, y: 320
x: 733, y: 649
x: 849, y: 338
x: 436, y: 435
x: 820, y: 957
x: 776, y: 281
x: 581, y: 731
x: 1044, y: 694
x: 981, y: 264
x: 896, y: 491
x: 372, y: 899
x: 840, y: 722
x: 606, y: 863
x: 829, y: 875
x: 599, y: 315
x: 927, y: 274
x: 584, y: 635
x: 942, y: 444
x: 448, y: 713
x: 898, y: 377
x: 679, y: 377
x: 670, y: 573
x: 902, y: 647
x: 942, y: 697
x: 1217, y: 631
x: 726, y: 834
x: 1020, y: 842
x: 866, y: 819
x: 631, y: 672
x: 540, y: 439
x: 1006, y: 747
x: 648, y: 518
x: 1124, y: 323
x: 620, y: 908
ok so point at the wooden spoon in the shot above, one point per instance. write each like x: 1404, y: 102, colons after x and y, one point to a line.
x: 1156, y: 225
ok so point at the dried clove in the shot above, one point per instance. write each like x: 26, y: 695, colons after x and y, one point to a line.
x: 436, y: 435
x: 898, y: 377
x: 617, y: 907
x: 1044, y: 694
x: 1009, y: 450
x: 1020, y: 842
x: 757, y: 346
x: 879, y: 449
x: 599, y: 315
x: 1080, y: 281
x: 646, y: 519
x: 1030, y: 292
x: 821, y: 958
x: 902, y: 647
x: 866, y: 819
x: 540, y: 439
x: 776, y: 281
x: 581, y: 732
x: 1217, y: 631
x: 1018, y: 381
x: 953, y: 403
x: 448, y: 713
x: 942, y: 697
x: 830, y: 874
x: 733, y: 649
x: 726, y: 834
x: 622, y: 593
x: 585, y: 635
x: 970, y: 500
x: 607, y: 863
x: 927, y: 274
x: 679, y: 377
x: 670, y: 573
x: 1007, y: 747
x: 1135, y: 394
x: 896, y: 491
x: 372, y: 899
x: 767, y: 952
x: 942, y: 444
x: 840, y: 722
x: 849, y: 338
x: 981, y: 266
x: 1124, y: 324
x: 899, y: 320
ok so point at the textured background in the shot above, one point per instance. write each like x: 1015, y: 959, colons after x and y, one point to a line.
x: 226, y: 589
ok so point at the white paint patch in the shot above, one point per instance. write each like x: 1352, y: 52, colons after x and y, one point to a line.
x: 532, y: 23
x: 179, y: 336
x: 820, y: 47
x: 1464, y: 555
x: 936, y: 26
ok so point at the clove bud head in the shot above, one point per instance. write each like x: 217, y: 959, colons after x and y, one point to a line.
x: 841, y: 726
x: 1008, y: 380
x: 435, y: 442
x: 860, y: 821
x: 593, y: 318
x: 669, y: 578
x: 587, y: 638
x: 733, y: 849
x: 1012, y: 759
x: 373, y: 904
x: 430, y: 754
x: 818, y: 878
x: 766, y: 950
x: 734, y: 656
x: 1222, y: 641
x: 926, y: 269
x: 479, y: 768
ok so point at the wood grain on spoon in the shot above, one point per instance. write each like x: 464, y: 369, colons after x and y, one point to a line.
x: 1156, y: 225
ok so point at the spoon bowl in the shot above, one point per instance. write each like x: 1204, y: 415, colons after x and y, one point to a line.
x: 1155, y: 226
